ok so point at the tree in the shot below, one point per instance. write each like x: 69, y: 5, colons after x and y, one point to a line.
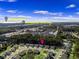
x: 6, y: 19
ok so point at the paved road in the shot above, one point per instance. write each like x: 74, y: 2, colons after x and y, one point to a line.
x: 73, y: 34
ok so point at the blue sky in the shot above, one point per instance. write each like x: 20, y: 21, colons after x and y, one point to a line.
x: 40, y: 9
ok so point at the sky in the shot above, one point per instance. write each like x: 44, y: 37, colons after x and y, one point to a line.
x: 41, y: 10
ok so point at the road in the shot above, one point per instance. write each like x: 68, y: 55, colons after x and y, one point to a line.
x: 73, y: 34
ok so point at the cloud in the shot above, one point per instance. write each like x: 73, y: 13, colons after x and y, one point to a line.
x: 71, y: 6
x: 41, y: 12
x: 42, y: 19
x: 48, y: 13
x: 8, y: 0
x: 53, y: 19
x: 12, y: 0
x: 2, y: 0
x: 77, y: 13
x: 20, y: 16
x: 28, y: 17
x: 12, y: 11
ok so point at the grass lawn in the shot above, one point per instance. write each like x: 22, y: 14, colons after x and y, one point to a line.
x: 15, y: 19
x: 72, y: 56
x: 30, y: 23
x: 28, y: 56
x: 42, y: 55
